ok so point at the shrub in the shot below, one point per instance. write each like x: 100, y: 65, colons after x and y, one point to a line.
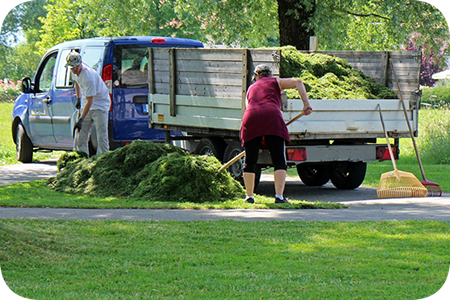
x: 9, y: 92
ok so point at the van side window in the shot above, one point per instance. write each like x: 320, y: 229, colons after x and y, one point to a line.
x: 63, y: 79
x: 45, y: 74
x: 92, y: 56
x: 130, y: 66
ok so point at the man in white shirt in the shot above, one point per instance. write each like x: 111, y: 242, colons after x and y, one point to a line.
x: 96, y: 107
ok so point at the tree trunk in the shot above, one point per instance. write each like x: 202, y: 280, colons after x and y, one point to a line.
x: 294, y: 17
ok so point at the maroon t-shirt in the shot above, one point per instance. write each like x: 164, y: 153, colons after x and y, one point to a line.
x: 263, y: 115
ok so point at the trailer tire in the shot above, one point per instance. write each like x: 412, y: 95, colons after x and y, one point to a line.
x: 211, y: 146
x: 237, y: 169
x: 24, y: 147
x: 313, y: 175
x: 349, y: 175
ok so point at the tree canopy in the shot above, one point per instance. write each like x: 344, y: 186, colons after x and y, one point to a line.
x: 339, y: 25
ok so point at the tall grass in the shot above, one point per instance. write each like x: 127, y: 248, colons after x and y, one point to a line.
x: 434, y: 136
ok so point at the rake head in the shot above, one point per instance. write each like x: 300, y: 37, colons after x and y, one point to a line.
x: 399, y: 184
x: 433, y: 189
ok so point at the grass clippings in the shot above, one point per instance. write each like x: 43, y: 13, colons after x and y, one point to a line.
x: 329, y: 77
x: 148, y: 171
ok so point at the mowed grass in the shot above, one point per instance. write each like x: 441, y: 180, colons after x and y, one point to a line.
x: 37, y: 194
x: 47, y: 259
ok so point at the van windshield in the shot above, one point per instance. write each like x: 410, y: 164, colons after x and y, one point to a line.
x: 130, y: 66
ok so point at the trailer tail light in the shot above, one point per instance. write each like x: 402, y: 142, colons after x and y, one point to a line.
x: 383, y: 153
x: 107, y: 79
x: 296, y: 154
x: 158, y: 41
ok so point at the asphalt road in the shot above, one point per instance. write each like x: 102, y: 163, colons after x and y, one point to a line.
x: 363, y: 204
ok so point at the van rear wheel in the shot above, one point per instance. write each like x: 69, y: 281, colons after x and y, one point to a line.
x: 24, y: 147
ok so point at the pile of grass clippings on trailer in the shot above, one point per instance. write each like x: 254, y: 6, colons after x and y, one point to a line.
x: 329, y: 77
x: 148, y: 171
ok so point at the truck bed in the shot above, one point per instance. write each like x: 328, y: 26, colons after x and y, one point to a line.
x: 202, y: 92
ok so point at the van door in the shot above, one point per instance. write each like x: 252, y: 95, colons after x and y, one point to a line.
x: 63, y: 104
x: 130, y: 92
x: 41, y: 129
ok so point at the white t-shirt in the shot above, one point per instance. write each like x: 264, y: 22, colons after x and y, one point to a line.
x: 91, y: 84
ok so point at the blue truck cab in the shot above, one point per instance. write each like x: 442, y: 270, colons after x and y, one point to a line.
x: 44, y: 114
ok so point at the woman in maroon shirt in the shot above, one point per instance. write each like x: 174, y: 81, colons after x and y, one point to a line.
x: 263, y: 119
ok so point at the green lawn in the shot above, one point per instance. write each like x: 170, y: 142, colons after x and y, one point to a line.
x: 37, y: 194
x: 43, y: 259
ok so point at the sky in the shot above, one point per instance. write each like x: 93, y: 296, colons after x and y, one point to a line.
x: 442, y: 5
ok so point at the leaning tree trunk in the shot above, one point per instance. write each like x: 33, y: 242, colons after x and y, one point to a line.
x: 294, y: 17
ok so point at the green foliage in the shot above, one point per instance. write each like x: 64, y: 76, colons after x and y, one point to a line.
x: 355, y: 25
x: 378, y: 25
x: 148, y: 171
x: 21, y: 59
x: 329, y: 77
x: 436, y: 95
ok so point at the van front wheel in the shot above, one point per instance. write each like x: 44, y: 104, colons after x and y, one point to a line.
x: 24, y: 147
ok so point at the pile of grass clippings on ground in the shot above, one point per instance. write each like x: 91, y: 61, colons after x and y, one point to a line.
x: 148, y: 171
x: 329, y: 77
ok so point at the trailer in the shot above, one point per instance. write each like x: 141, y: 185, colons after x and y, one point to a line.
x: 201, y: 92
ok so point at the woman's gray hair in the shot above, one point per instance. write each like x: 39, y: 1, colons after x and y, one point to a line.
x: 262, y: 71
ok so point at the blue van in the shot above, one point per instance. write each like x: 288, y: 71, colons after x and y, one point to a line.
x: 44, y: 115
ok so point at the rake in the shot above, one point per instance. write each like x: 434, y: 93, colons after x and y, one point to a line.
x: 240, y: 155
x: 396, y: 183
x: 433, y: 189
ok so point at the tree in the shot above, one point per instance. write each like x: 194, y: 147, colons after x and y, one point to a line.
x: 431, y: 62
x: 20, y: 59
x: 339, y: 24
x: 295, y: 18
x: 376, y: 24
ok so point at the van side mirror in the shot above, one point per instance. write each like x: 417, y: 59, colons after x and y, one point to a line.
x: 26, y: 85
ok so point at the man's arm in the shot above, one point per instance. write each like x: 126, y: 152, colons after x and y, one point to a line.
x: 87, y: 107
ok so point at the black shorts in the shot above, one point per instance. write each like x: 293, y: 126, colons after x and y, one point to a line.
x: 277, y: 151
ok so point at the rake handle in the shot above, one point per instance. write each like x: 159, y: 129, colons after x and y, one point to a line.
x: 407, y: 121
x: 240, y: 155
x: 387, y: 138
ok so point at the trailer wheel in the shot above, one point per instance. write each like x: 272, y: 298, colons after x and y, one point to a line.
x: 349, y: 175
x: 211, y: 146
x: 313, y: 175
x: 237, y: 169
x: 24, y: 147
